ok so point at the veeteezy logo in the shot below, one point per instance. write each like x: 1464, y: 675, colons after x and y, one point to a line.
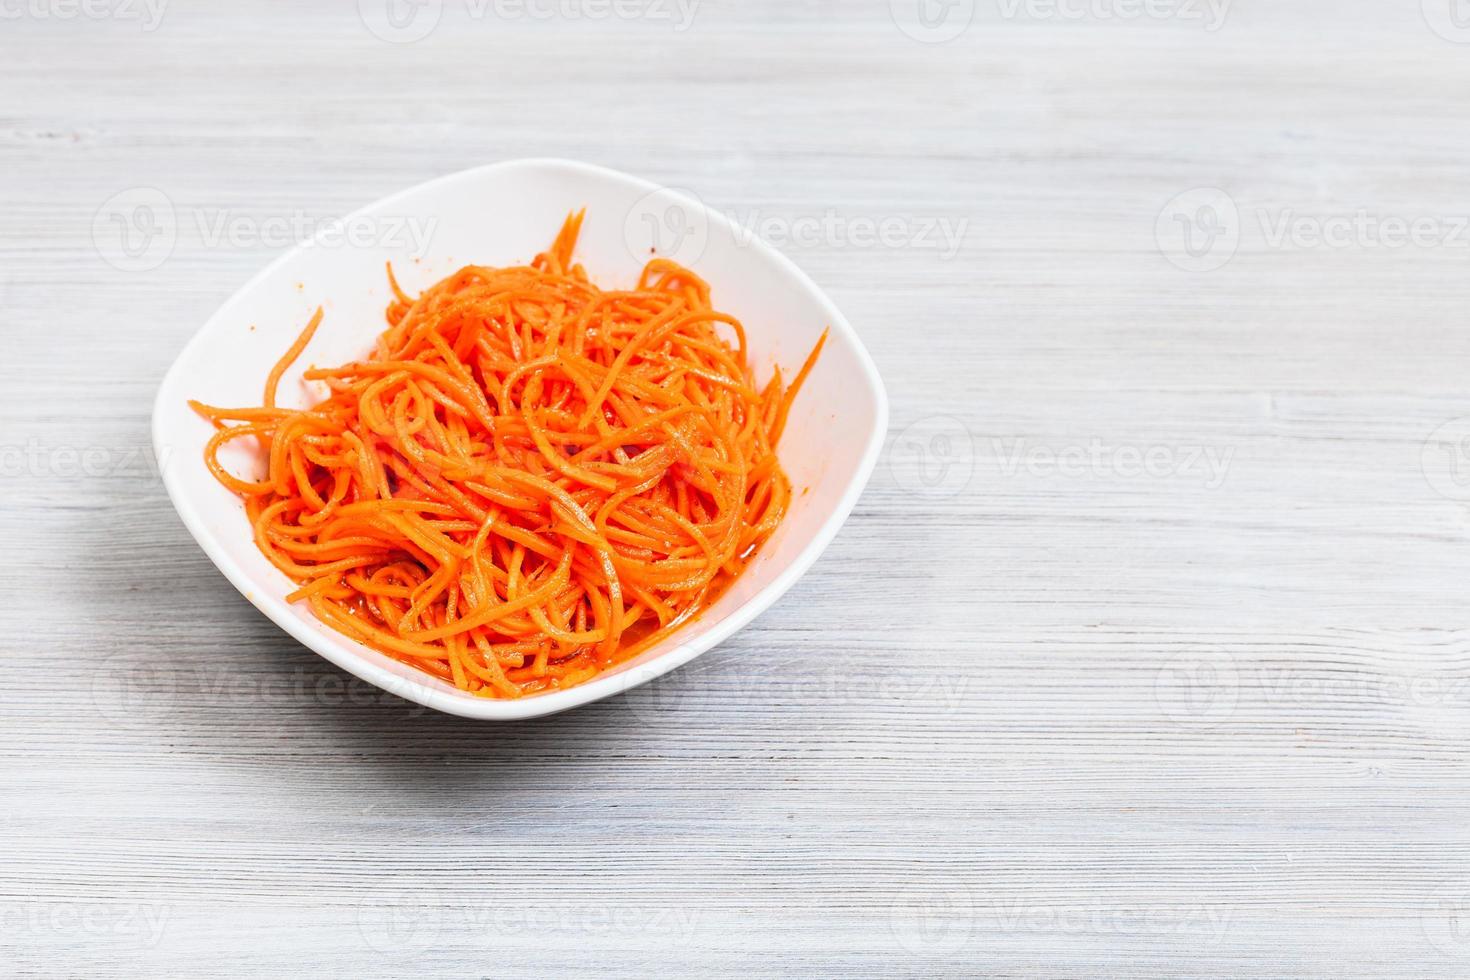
x: 148, y: 13
x: 1205, y: 922
x: 407, y: 21
x: 1450, y: 19
x: 88, y: 462
x: 1209, y: 14
x: 222, y: 227
x: 832, y: 230
x: 124, y: 923
x: 1201, y: 229
x: 932, y: 21
x: 1362, y: 229
x: 1207, y: 464
x: 675, y: 223
x: 137, y: 230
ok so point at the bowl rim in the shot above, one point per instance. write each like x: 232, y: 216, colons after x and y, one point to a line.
x: 341, y: 651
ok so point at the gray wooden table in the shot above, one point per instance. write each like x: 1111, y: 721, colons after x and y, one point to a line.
x: 1146, y: 652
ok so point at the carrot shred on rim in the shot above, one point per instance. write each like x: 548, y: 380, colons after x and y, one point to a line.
x: 529, y: 480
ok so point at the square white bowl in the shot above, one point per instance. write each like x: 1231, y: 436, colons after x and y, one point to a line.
x: 504, y: 214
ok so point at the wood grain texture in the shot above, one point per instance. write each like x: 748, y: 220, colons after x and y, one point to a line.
x: 1145, y: 653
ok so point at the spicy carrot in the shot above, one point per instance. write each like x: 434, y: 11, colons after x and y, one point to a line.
x: 529, y: 480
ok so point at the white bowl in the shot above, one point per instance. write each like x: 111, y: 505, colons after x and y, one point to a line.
x: 498, y: 215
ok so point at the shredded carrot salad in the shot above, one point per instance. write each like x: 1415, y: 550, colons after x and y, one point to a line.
x: 529, y: 480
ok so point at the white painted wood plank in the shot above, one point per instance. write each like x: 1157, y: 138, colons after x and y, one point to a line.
x: 1025, y: 718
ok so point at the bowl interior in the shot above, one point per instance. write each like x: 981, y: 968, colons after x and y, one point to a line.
x: 498, y: 215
